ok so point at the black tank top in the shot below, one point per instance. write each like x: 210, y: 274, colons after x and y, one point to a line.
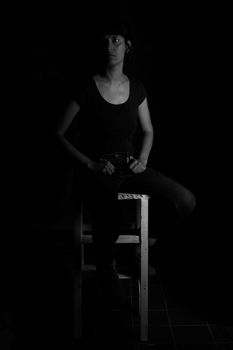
x: 104, y: 127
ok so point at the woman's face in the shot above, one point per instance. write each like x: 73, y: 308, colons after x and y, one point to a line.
x: 115, y: 48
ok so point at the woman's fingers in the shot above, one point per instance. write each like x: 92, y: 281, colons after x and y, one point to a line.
x: 133, y: 164
x: 108, y: 168
x: 137, y: 167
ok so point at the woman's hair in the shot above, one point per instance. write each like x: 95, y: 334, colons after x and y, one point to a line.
x: 116, y: 24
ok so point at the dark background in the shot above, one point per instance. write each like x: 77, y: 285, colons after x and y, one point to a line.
x: 181, y: 57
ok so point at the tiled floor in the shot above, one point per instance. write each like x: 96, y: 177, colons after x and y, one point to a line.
x: 180, y: 315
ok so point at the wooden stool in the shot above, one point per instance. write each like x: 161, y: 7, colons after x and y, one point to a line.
x: 80, y: 239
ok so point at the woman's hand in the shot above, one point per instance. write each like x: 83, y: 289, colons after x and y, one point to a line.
x: 136, y: 165
x: 102, y: 166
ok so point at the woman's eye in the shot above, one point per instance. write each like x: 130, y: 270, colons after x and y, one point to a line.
x: 116, y: 40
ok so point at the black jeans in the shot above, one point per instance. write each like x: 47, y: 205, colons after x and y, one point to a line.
x: 100, y: 192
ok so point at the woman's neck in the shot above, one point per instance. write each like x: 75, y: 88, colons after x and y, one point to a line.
x: 115, y: 75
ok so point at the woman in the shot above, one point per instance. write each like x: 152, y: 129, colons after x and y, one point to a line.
x: 106, y: 116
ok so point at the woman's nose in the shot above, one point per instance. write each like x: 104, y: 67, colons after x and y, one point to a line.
x: 110, y: 46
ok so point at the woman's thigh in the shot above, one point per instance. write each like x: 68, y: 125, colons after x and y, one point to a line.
x: 156, y: 184
x: 97, y: 186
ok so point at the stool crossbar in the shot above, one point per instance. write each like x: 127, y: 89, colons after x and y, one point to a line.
x: 80, y: 227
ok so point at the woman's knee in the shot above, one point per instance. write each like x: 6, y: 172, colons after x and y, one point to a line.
x: 187, y: 203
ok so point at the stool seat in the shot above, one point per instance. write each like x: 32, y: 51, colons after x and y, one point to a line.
x: 122, y: 196
x: 140, y: 238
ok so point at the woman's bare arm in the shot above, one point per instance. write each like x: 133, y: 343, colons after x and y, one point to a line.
x: 71, y: 111
x: 148, y: 131
x: 139, y: 165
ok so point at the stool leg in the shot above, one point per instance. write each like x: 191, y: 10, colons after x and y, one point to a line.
x: 78, y: 306
x: 78, y: 229
x: 142, y: 209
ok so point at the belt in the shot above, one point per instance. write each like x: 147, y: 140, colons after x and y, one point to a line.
x: 120, y: 160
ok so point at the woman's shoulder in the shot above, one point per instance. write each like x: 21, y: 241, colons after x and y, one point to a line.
x: 81, y: 88
x: 97, y: 78
x: 138, y: 88
x: 137, y: 82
